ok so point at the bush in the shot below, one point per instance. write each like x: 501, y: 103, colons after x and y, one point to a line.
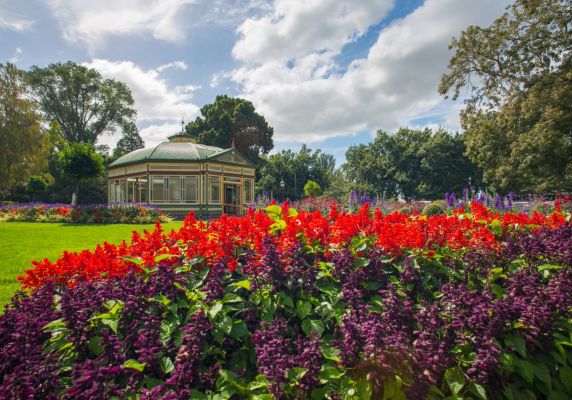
x: 312, y: 189
x: 297, y: 305
x: 88, y: 214
x: 437, y: 207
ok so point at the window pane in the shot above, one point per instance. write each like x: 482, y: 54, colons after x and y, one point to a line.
x: 214, y: 185
x: 191, y: 189
x: 174, y: 189
x: 142, y: 190
x: 157, y: 189
x: 130, y: 190
x: 248, y: 191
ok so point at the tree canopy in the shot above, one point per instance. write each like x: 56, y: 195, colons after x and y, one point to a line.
x: 24, y: 146
x: 81, y: 162
x: 518, y: 114
x: 130, y: 140
x: 295, y: 169
x: 233, y: 121
x: 415, y: 164
x: 82, y: 103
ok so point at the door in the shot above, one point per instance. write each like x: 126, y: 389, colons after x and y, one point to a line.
x: 231, y: 199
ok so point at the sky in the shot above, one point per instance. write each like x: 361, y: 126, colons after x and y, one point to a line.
x: 328, y: 73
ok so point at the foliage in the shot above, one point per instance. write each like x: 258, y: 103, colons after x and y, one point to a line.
x: 84, y: 214
x: 436, y: 207
x: 518, y: 73
x: 312, y: 189
x: 36, y: 184
x: 81, y: 162
x: 23, y: 144
x: 82, y: 103
x: 285, y: 304
x: 233, y: 122
x: 415, y: 164
x: 130, y: 140
x: 295, y: 169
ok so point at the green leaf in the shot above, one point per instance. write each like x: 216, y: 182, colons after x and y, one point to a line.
x: 519, y: 344
x: 166, y: 365
x: 233, y: 379
x: 197, y: 395
x: 292, y: 212
x: 303, y: 308
x: 330, y: 353
x: 273, y: 209
x: 134, y: 364
x: 455, y: 379
x: 166, y: 331
x: 566, y: 377
x: 478, y: 390
x: 364, y: 389
x: 313, y: 326
x: 112, y: 323
x: 388, y: 389
x: 239, y: 329
x: 526, y: 369
x: 330, y: 373
x: 245, y: 284
x: 215, y: 309
x: 94, y: 346
x: 296, y: 373
x: 225, y: 324
x: 232, y: 298
x: 541, y: 372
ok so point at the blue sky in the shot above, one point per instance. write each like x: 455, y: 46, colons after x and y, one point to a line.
x: 328, y: 73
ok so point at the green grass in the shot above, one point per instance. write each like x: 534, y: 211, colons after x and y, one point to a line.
x: 22, y: 242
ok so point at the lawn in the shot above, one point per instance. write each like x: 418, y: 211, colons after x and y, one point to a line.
x: 22, y: 242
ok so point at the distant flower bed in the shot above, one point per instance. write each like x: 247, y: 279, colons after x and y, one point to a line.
x: 82, y: 214
x: 286, y: 304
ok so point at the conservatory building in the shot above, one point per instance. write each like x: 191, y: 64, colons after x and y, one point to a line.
x: 180, y: 176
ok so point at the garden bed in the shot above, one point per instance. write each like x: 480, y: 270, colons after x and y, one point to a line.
x: 285, y: 304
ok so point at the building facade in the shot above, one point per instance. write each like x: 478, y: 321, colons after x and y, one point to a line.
x: 180, y: 176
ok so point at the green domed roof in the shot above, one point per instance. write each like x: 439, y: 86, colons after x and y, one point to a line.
x: 168, y: 151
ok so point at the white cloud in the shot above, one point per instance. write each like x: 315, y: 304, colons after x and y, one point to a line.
x: 90, y: 22
x: 15, y: 58
x: 297, y: 27
x: 154, y: 99
x: 12, y: 20
x: 159, y: 106
x: 290, y: 75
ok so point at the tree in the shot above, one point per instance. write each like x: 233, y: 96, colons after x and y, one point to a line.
x: 22, y: 142
x: 82, y: 103
x: 312, y: 189
x: 518, y: 75
x: 36, y: 184
x: 130, y: 140
x: 411, y: 163
x: 295, y: 169
x: 233, y: 121
x: 81, y: 162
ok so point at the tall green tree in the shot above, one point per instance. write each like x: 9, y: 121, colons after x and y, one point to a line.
x: 295, y: 169
x: 82, y: 103
x: 81, y: 162
x: 232, y: 121
x: 413, y: 163
x: 517, y: 73
x: 130, y: 140
x: 23, y: 145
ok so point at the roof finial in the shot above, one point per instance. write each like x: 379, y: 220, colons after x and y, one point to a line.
x: 232, y: 145
x: 182, y: 125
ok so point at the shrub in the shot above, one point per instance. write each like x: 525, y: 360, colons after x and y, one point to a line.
x: 83, y: 214
x: 312, y: 189
x: 436, y: 207
x: 285, y: 304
